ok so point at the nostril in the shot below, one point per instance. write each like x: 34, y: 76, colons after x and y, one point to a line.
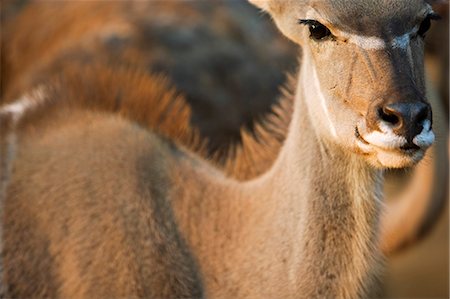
x: 388, y: 115
x: 422, y: 115
x: 406, y: 119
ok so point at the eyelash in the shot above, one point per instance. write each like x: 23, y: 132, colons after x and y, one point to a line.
x: 426, y: 24
x: 317, y: 30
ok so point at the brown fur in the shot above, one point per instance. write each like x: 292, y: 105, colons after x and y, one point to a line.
x: 255, y: 156
x: 66, y: 131
x: 70, y: 104
x: 213, y: 55
x: 61, y: 242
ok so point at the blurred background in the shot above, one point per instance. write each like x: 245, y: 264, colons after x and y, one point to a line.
x: 230, y: 62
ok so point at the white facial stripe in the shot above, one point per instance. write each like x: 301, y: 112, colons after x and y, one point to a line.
x: 322, y: 100
x: 426, y: 137
x: 372, y: 42
x: 376, y: 43
x: 402, y: 41
x: 365, y: 42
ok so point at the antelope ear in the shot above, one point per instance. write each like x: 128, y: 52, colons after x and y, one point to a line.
x: 262, y: 4
x: 270, y: 6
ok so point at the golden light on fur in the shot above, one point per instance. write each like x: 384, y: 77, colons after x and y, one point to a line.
x: 107, y: 193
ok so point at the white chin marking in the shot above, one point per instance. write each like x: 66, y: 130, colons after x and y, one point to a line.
x: 386, y: 139
x: 426, y: 137
x: 395, y: 160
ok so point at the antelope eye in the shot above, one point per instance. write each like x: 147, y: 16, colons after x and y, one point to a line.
x: 316, y: 29
x: 426, y: 24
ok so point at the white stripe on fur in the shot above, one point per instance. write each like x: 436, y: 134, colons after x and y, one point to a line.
x: 323, y: 101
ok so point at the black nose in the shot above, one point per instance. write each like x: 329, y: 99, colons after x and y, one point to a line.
x: 406, y: 119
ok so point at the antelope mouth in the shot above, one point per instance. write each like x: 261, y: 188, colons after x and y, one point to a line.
x: 391, y: 150
x: 359, y: 137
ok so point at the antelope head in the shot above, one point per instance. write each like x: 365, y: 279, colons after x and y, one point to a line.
x: 362, y: 74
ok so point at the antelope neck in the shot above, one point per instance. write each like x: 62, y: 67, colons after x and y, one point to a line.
x: 331, y: 197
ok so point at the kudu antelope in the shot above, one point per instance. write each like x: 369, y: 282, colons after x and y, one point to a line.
x: 96, y: 205
x: 124, y: 33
